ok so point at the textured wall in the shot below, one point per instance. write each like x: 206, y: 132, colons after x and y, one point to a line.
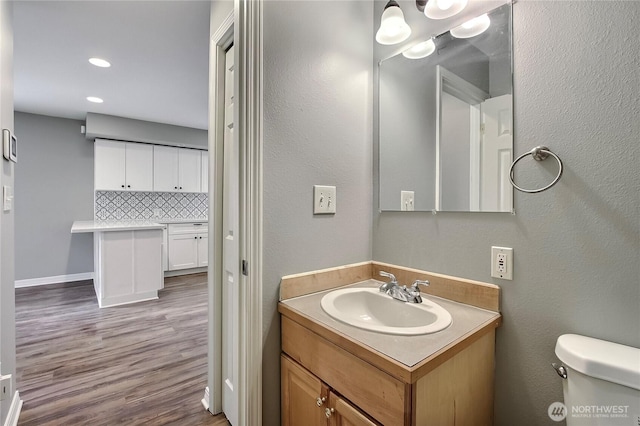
x: 577, y: 245
x: 54, y: 187
x: 7, y: 170
x: 317, y: 130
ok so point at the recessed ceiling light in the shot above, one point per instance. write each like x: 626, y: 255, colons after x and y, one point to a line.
x: 100, y: 62
x: 94, y: 99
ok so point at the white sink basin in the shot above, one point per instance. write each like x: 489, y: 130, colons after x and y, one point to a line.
x: 372, y: 310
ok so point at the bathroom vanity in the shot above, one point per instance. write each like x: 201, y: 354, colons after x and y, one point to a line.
x: 337, y: 374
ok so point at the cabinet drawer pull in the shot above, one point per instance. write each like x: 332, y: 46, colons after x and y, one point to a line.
x: 122, y: 186
x: 328, y: 412
x: 320, y: 401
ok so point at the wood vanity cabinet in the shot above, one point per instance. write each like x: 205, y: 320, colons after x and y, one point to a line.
x: 362, y: 387
x: 306, y: 400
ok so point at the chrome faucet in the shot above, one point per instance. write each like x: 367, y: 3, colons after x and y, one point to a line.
x: 404, y: 294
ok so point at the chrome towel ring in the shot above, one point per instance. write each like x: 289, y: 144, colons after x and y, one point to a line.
x: 539, y: 153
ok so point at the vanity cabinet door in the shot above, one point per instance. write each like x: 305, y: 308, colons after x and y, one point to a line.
x: 345, y: 414
x: 304, y: 396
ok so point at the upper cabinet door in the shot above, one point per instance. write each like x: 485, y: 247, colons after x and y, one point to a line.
x: 205, y: 171
x: 165, y: 169
x: 109, y: 165
x: 190, y: 166
x: 139, y: 167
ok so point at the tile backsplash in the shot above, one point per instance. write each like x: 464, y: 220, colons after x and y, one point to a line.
x: 119, y: 205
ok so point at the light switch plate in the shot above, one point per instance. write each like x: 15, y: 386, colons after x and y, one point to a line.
x: 502, y: 262
x: 407, y: 200
x: 324, y: 199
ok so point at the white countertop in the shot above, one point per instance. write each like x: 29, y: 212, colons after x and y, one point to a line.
x: 409, y: 350
x: 80, y: 226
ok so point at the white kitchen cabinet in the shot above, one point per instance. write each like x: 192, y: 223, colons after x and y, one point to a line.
x: 128, y: 266
x: 123, y: 166
x: 188, y: 246
x: 189, y: 170
x: 205, y: 171
x: 176, y: 169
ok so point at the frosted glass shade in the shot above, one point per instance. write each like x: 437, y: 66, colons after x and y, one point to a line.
x: 442, y: 9
x: 472, y: 28
x: 420, y: 50
x: 393, y: 28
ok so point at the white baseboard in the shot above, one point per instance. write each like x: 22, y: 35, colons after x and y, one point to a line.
x: 205, y: 398
x: 32, y: 282
x: 179, y: 272
x: 14, y: 410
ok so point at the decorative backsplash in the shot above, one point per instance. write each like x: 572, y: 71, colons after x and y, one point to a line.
x: 117, y: 205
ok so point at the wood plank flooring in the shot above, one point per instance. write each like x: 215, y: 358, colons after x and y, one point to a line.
x: 139, y: 364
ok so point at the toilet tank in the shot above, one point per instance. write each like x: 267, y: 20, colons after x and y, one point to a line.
x: 602, y: 386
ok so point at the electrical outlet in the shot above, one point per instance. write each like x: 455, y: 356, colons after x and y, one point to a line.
x: 324, y: 199
x: 5, y: 387
x: 407, y: 200
x: 502, y: 262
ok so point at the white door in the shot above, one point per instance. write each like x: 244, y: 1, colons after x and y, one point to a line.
x: 109, y: 165
x: 139, y: 167
x: 204, y: 181
x: 189, y: 166
x: 183, y: 251
x: 496, y: 193
x: 203, y: 250
x: 231, y: 254
x: 165, y: 168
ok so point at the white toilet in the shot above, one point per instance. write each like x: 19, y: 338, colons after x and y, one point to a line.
x: 602, y: 381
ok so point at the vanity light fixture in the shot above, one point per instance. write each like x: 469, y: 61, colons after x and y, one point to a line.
x: 472, y: 28
x: 420, y: 50
x: 99, y: 62
x: 442, y: 9
x: 95, y: 100
x: 393, y: 28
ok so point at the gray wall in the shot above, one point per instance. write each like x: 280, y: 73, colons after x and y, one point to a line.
x: 577, y: 245
x: 127, y: 129
x: 54, y: 187
x: 7, y: 292
x: 317, y: 130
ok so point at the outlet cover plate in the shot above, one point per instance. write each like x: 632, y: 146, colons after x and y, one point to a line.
x: 324, y: 199
x: 502, y: 262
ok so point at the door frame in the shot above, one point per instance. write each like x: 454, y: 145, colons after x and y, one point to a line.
x: 243, y: 28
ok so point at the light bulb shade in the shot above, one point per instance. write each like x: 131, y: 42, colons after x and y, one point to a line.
x: 393, y: 28
x: 472, y: 28
x: 442, y: 9
x: 420, y: 50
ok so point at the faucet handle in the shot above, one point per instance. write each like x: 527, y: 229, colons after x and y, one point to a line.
x: 389, y: 275
x: 416, y: 283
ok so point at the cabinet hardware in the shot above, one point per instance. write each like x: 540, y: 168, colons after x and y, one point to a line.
x: 245, y: 268
x: 128, y: 186
x: 320, y: 401
x: 180, y: 187
x: 175, y: 187
x: 328, y: 412
x: 122, y: 186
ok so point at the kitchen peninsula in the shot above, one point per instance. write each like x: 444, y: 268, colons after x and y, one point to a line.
x: 127, y: 259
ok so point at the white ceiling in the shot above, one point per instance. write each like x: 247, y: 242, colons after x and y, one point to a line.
x: 158, y: 51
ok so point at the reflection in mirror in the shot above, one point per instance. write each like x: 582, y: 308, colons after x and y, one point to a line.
x: 446, y: 124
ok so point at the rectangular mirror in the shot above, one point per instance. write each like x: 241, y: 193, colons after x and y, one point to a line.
x: 445, y: 124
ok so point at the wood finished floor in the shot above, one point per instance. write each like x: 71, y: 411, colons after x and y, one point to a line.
x: 139, y: 364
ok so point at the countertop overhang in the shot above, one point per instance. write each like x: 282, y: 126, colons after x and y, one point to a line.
x: 83, y: 226
x: 406, y: 357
